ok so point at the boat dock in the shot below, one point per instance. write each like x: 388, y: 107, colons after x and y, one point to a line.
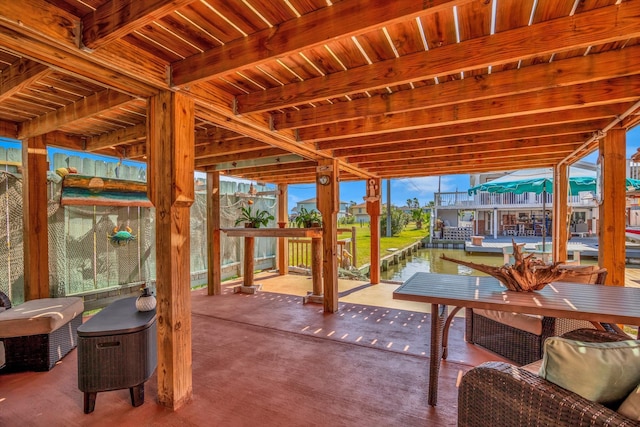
x: 587, y: 246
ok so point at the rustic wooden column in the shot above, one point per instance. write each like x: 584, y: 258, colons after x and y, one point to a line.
x: 283, y: 218
x: 560, y: 212
x: 34, y: 219
x: 249, y: 249
x: 214, y: 247
x: 328, y: 194
x: 611, y: 230
x: 171, y: 189
x: 373, y: 210
x: 316, y: 268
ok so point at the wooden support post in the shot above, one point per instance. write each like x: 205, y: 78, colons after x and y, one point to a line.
x: 611, y: 233
x: 316, y: 266
x: 560, y: 212
x: 283, y: 217
x: 373, y: 210
x: 34, y: 219
x: 214, y: 247
x: 328, y: 205
x: 249, y: 249
x: 171, y: 189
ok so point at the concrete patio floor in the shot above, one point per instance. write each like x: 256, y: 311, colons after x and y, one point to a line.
x: 270, y: 360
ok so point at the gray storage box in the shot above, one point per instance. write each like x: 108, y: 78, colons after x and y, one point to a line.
x: 116, y: 349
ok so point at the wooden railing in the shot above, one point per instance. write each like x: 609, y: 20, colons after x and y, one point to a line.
x: 300, y: 250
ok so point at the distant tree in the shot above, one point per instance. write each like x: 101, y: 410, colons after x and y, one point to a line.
x: 417, y: 214
x: 399, y: 220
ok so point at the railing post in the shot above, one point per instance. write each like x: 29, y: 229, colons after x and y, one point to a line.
x: 353, y: 247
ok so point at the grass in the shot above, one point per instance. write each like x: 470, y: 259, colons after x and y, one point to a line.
x: 408, y: 236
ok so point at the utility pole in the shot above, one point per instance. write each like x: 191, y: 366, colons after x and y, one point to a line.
x: 388, y: 207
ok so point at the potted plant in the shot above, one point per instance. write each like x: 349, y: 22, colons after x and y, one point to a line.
x: 308, y: 218
x: 254, y: 219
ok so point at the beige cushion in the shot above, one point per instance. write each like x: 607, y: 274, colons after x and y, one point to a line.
x: 601, y: 372
x: 40, y: 316
x: 526, y: 322
x: 630, y: 408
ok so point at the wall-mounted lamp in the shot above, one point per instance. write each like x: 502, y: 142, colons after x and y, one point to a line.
x: 324, y: 179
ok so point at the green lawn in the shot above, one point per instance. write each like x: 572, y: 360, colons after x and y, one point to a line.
x: 363, y: 241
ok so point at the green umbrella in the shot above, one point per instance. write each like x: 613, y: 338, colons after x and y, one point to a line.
x: 539, y: 185
x: 544, y: 185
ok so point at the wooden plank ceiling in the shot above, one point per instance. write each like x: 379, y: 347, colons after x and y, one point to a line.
x: 392, y: 89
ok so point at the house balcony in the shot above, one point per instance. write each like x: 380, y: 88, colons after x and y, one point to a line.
x: 485, y: 200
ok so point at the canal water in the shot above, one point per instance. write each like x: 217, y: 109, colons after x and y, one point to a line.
x: 428, y: 260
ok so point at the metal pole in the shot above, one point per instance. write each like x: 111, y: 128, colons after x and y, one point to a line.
x: 544, y: 217
x: 389, y: 208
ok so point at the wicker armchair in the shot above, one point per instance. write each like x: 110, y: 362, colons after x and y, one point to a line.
x: 520, y: 346
x: 500, y: 394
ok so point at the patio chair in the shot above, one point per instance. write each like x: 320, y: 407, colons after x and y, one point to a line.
x: 38, y: 333
x: 500, y: 394
x: 519, y: 337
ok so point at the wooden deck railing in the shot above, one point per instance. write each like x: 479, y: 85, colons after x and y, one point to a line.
x: 300, y: 250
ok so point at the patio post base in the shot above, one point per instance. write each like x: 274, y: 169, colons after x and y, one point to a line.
x: 253, y: 289
x: 316, y: 299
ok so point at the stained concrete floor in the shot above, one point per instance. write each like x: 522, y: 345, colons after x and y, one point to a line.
x: 270, y: 360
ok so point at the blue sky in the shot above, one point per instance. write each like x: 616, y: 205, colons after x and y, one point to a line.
x: 401, y: 189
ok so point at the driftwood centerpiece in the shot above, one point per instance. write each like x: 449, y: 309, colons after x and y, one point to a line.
x: 525, y: 275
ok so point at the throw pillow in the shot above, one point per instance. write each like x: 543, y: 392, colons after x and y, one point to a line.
x: 601, y: 372
x: 630, y: 408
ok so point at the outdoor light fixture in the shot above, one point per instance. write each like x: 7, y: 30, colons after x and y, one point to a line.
x: 324, y: 179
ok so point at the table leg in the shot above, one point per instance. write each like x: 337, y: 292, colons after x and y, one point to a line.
x: 89, y: 401
x: 438, y: 316
x: 445, y: 331
x: 137, y: 394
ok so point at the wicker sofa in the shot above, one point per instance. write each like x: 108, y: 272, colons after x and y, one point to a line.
x: 38, y: 333
x: 501, y: 394
x: 523, y: 342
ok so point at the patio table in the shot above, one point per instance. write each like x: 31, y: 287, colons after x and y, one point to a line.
x: 606, y: 304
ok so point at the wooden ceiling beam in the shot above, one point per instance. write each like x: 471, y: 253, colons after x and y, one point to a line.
x: 248, y: 155
x: 594, y: 27
x: 214, y: 108
x: 128, y: 135
x: 476, y: 168
x: 620, y: 90
x: 464, y: 166
x: 222, y: 147
x: 115, y: 19
x: 485, y: 130
x: 216, y: 134
x: 136, y: 151
x: 48, y: 34
x: 64, y: 140
x: 515, y: 136
x: 308, y: 164
x: 534, y: 152
x: 311, y: 176
x: 445, y: 116
x: 86, y: 107
x: 8, y: 129
x: 20, y: 75
x: 573, y: 71
x: 263, y: 161
x: 455, y: 147
x: 342, y: 19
